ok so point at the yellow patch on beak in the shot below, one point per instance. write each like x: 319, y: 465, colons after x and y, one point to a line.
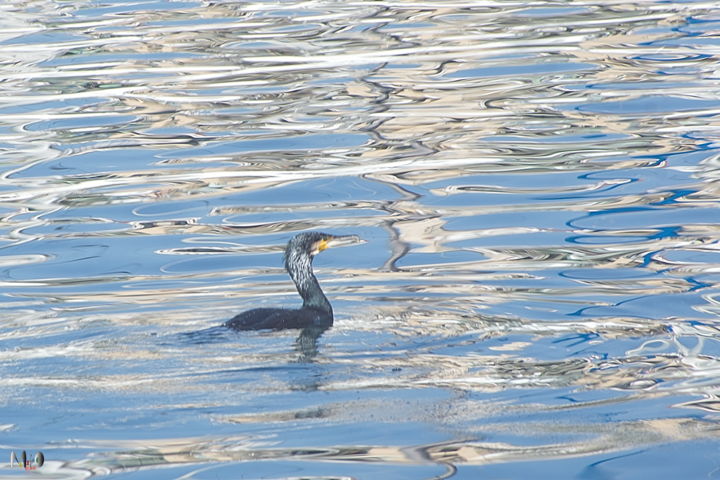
x: 322, y: 245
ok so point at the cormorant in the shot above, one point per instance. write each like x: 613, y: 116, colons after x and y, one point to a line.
x: 316, y: 310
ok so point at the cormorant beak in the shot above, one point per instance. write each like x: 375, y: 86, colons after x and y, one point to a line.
x: 339, y: 241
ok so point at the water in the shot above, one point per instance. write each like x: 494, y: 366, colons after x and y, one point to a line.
x: 536, y: 184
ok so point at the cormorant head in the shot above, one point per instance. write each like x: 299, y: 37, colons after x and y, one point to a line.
x: 312, y: 243
x: 298, y: 262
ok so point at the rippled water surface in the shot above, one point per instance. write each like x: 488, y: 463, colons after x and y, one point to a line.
x: 536, y: 184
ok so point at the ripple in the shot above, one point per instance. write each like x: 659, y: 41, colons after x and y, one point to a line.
x: 536, y: 185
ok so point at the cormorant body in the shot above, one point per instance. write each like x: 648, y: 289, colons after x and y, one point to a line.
x: 316, y: 310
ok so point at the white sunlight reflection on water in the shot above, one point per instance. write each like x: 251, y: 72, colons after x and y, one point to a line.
x: 536, y: 183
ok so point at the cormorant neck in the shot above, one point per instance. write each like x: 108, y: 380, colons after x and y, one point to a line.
x: 299, y: 266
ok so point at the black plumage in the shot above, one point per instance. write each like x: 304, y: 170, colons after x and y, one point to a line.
x: 316, y: 310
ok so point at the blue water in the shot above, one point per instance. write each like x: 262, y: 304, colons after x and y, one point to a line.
x: 536, y: 294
